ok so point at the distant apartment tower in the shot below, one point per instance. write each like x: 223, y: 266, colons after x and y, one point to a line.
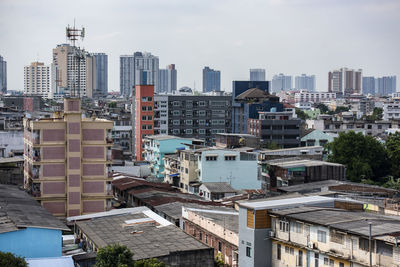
x: 211, y: 80
x: 101, y: 74
x: 345, y: 81
x: 73, y: 71
x: 368, y: 85
x: 257, y: 75
x: 3, y: 75
x: 385, y: 85
x: 167, y: 79
x: 144, y: 112
x: 138, y: 69
x: 281, y: 82
x: 306, y: 82
x: 68, y: 161
x: 37, y: 79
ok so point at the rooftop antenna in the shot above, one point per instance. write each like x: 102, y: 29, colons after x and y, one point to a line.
x: 73, y: 34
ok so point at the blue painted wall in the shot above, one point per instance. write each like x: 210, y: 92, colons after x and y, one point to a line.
x: 32, y: 242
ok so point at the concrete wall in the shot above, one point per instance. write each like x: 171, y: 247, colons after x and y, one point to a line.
x: 32, y: 242
x: 191, y: 258
x: 11, y: 140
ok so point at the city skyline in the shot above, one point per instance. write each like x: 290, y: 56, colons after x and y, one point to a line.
x: 373, y: 33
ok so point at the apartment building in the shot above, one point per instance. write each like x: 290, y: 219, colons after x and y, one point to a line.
x: 190, y: 116
x: 391, y: 110
x: 315, y: 97
x: 37, y: 80
x: 345, y: 81
x: 68, y: 161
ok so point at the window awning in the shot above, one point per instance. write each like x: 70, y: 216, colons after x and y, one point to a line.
x: 230, y: 155
x: 211, y: 155
x: 173, y: 175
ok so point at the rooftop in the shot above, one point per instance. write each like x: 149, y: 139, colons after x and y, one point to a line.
x: 292, y: 163
x: 162, y: 137
x: 284, y: 202
x: 18, y: 210
x: 226, y: 217
x: 291, y: 149
x: 144, y: 232
x: 216, y: 187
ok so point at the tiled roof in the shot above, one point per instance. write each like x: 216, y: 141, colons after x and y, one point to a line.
x: 216, y: 187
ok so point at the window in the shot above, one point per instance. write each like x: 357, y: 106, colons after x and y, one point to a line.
x: 326, y: 261
x: 230, y: 158
x: 186, y: 170
x: 316, y: 259
x: 202, y: 122
x: 341, y: 264
x: 144, y: 99
x: 278, y: 252
x: 149, y: 118
x: 220, y: 246
x: 297, y: 227
x: 284, y: 226
x: 202, y: 103
x: 189, y: 122
x: 189, y: 131
x: 201, y: 236
x: 248, y: 252
x: 300, y: 258
x: 287, y: 249
x: 207, y: 239
x: 211, y: 158
x: 176, y: 122
x: 364, y: 244
x: 336, y: 237
x: 149, y: 99
x: 331, y: 263
x: 202, y: 112
x: 291, y: 251
x: 322, y: 236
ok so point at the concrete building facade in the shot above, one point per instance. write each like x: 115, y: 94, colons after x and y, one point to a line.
x: 101, y: 69
x: 306, y: 82
x: 37, y: 80
x: 257, y: 75
x: 211, y: 80
x: 68, y: 161
x: 281, y: 82
x: 167, y: 79
x: 3, y: 75
x: 345, y: 81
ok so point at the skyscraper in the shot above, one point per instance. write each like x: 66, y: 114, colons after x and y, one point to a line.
x: 37, y: 80
x: 257, y: 75
x: 138, y: 69
x: 3, y: 75
x: 385, y: 85
x: 74, y: 71
x: 305, y: 82
x: 345, y: 81
x: 281, y: 82
x: 101, y: 69
x: 368, y: 85
x: 211, y: 80
x: 167, y: 79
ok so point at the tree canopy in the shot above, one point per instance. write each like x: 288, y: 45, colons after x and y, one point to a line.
x: 364, y: 156
x: 114, y: 256
x: 8, y: 259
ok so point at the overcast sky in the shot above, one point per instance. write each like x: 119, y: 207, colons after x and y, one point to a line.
x: 282, y: 36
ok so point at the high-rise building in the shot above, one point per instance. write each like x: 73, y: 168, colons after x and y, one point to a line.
x: 305, y: 82
x: 68, y: 161
x: 368, y: 85
x: 211, y: 80
x: 37, y: 80
x: 385, y: 85
x: 101, y: 69
x: 167, y: 79
x: 138, y: 69
x: 73, y: 71
x: 144, y: 112
x: 257, y: 75
x: 3, y: 75
x: 281, y: 82
x: 345, y: 81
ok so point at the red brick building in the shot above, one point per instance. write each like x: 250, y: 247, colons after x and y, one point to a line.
x: 144, y: 100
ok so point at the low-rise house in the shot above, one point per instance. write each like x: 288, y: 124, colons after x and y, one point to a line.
x: 27, y: 229
x: 145, y: 233
x: 316, y: 138
x: 122, y: 137
x: 217, y: 228
x: 216, y: 190
x: 309, y: 152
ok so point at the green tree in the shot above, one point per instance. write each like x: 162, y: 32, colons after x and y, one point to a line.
x: 301, y: 114
x: 364, y: 156
x: 322, y: 108
x: 8, y: 259
x: 377, y: 115
x: 393, y: 150
x: 150, y: 263
x: 114, y: 256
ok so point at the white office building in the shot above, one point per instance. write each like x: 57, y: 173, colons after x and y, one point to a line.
x: 37, y: 80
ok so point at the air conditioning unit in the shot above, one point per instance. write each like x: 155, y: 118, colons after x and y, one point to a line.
x: 310, y: 245
x: 271, y: 234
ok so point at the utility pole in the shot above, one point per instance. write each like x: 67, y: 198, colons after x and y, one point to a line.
x: 370, y: 244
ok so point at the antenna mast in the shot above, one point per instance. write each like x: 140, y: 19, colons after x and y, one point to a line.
x: 73, y: 34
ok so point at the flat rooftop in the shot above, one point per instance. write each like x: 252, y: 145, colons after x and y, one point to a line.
x: 284, y: 202
x: 293, y: 163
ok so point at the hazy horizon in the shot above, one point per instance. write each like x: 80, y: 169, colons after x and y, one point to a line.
x: 281, y: 36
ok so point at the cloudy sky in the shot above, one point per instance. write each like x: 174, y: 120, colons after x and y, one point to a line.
x: 282, y: 36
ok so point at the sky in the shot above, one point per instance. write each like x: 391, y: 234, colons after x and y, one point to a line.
x: 282, y: 36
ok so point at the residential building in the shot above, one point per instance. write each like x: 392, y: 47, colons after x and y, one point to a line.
x: 216, y: 190
x: 314, y: 97
x: 190, y: 116
x: 141, y: 68
x: 345, y: 81
x: 217, y: 228
x: 292, y: 171
x: 27, y: 229
x: 68, y: 161
x: 122, y: 137
x: 368, y: 85
x: 391, y: 110
x: 211, y: 80
x: 167, y: 79
x: 37, y: 80
x: 385, y: 86
x: 316, y: 138
x: 101, y: 74
x: 157, y: 146
x: 73, y: 71
x: 143, y: 108
x: 3, y: 75
x: 231, y: 140
x: 245, y: 107
x: 280, y: 128
x: 257, y: 75
x: 309, y: 152
x: 12, y: 170
x: 340, y: 236
x: 11, y: 141
x: 281, y: 82
x: 156, y: 237
x: 306, y: 82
